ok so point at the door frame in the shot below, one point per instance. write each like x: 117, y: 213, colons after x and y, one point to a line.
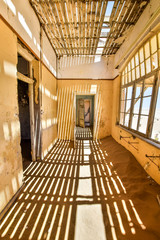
x: 95, y: 119
x: 25, y: 54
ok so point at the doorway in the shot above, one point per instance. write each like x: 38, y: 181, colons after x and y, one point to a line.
x: 24, y: 112
x: 84, y: 116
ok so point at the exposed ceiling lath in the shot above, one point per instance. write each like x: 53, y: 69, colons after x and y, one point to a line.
x: 79, y: 27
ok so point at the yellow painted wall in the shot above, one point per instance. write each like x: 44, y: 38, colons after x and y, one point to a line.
x: 66, y: 89
x: 11, y: 172
x: 48, y: 110
x: 143, y: 147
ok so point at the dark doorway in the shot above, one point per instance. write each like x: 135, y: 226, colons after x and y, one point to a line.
x: 24, y: 112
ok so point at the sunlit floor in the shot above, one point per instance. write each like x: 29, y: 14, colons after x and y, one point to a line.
x: 84, y: 133
x: 85, y: 194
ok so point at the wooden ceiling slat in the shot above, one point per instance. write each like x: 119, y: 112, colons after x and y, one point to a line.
x: 83, y: 21
x: 113, y: 29
x: 88, y: 23
x: 93, y: 9
x: 66, y: 25
x: 74, y: 26
x: 101, y: 21
x: 97, y: 21
x: 116, y: 32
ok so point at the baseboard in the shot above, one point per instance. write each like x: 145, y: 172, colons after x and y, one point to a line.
x: 9, y: 204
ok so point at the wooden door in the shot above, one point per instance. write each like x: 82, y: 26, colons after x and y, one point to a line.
x: 87, y: 111
x: 81, y: 113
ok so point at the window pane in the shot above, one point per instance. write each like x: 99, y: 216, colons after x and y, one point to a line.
x: 141, y: 54
x: 146, y: 105
x: 122, y: 80
x: 129, y: 66
x: 142, y: 69
x: 126, y: 122
x: 137, y: 72
x: 129, y: 77
x: 143, y: 124
x: 159, y: 39
x: 121, y: 118
x: 134, y: 122
x: 137, y: 59
x: 125, y: 78
x: 129, y: 92
x: 133, y: 74
x: 132, y: 63
x: 148, y: 65
x: 138, y: 89
x: 128, y: 106
x: 136, y: 106
x: 154, y: 60
x: 154, y: 44
x: 122, y: 106
x: 156, y: 123
x: 148, y: 86
x: 123, y: 94
x: 147, y: 50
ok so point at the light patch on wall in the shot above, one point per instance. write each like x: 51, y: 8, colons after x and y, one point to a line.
x: 11, y: 6
x: 48, y: 123
x: 1, y: 166
x: 15, y: 129
x: 14, y: 185
x: 3, y: 199
x: 24, y: 24
x: 43, y: 124
x: 6, y: 131
x: 10, y: 69
x: 38, y: 47
x: 45, y: 58
x: 41, y: 88
x: 20, y: 177
x: 93, y: 89
x: 47, y: 92
x: 34, y: 40
x: 7, y: 192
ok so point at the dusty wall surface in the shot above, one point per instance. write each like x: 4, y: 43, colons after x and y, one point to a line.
x: 66, y: 89
x: 11, y: 172
x: 87, y: 67
x: 143, y: 147
x: 49, y: 110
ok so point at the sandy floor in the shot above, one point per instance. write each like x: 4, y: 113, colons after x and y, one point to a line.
x: 95, y: 192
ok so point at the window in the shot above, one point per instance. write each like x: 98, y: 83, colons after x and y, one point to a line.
x: 140, y: 91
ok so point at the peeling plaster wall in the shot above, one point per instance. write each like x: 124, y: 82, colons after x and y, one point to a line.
x: 11, y: 171
x: 142, y: 146
x: 66, y: 89
x: 49, y: 110
x: 87, y: 67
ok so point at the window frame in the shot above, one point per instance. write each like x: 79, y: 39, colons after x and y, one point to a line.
x: 152, y: 108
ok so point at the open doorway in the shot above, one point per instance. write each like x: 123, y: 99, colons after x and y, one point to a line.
x: 24, y: 112
x: 84, y: 116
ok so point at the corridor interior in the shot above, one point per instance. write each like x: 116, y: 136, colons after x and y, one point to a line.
x: 85, y: 193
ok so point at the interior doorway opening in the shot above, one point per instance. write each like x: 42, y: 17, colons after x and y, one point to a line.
x: 24, y: 112
x: 84, y: 116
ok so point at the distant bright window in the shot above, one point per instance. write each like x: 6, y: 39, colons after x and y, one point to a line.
x: 140, y: 91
